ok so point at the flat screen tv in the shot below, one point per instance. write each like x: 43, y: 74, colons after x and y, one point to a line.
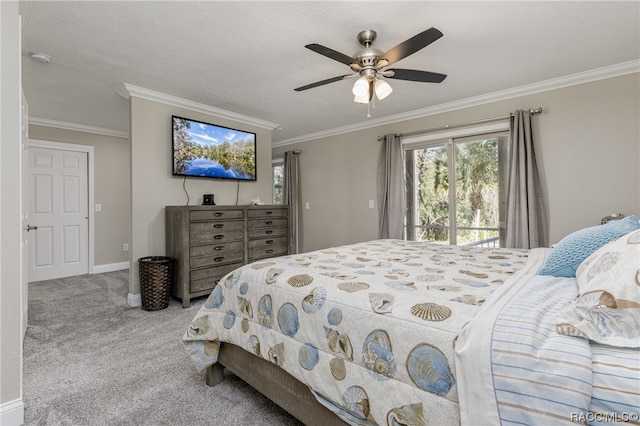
x: 206, y: 150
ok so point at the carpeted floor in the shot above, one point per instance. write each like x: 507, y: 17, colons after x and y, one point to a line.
x: 90, y: 359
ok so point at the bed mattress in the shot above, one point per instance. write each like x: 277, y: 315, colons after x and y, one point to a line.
x: 369, y: 327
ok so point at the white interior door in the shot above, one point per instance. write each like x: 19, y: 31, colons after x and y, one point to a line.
x: 58, y: 213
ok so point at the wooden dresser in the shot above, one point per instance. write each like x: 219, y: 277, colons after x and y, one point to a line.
x: 210, y: 241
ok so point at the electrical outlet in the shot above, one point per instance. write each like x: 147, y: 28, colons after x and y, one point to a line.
x: 125, y: 247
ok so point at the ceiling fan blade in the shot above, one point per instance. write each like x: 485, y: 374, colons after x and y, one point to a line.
x: 411, y: 45
x: 323, y: 82
x: 331, y: 54
x: 414, y: 75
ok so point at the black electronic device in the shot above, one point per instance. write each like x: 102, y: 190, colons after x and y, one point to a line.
x: 207, y: 200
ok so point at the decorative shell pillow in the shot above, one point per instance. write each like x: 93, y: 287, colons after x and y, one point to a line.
x: 607, y: 310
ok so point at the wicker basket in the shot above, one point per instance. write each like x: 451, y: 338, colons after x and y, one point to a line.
x: 156, y: 276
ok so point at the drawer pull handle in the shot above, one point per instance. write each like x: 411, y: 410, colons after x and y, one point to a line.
x: 269, y: 242
x: 269, y: 251
x: 218, y: 237
x: 268, y: 222
x: 268, y: 231
x: 218, y: 248
x: 269, y: 213
x: 218, y: 214
x: 219, y: 259
x: 218, y: 225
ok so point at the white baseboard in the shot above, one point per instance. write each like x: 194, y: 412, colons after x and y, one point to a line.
x: 12, y: 413
x: 134, y: 300
x: 110, y: 267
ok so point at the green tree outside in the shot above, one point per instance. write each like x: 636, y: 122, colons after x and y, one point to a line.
x: 476, y: 185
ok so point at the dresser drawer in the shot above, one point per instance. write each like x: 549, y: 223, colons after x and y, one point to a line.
x: 216, y: 259
x: 271, y: 251
x: 266, y: 232
x: 267, y: 222
x: 215, y: 214
x: 268, y: 242
x: 215, y: 227
x: 216, y: 249
x: 206, y: 279
x: 196, y: 238
x: 262, y: 213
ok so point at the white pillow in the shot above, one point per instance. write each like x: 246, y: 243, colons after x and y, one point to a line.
x: 607, y: 310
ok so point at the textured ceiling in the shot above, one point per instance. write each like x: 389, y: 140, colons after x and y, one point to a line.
x: 247, y: 57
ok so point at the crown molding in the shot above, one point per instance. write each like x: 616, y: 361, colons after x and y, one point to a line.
x: 528, y: 89
x: 128, y: 90
x: 37, y: 121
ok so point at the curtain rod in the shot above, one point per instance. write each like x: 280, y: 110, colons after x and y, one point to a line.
x: 452, y: 126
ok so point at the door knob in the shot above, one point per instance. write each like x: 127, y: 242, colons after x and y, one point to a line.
x: 31, y: 228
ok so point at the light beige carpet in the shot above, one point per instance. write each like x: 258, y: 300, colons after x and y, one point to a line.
x: 90, y: 359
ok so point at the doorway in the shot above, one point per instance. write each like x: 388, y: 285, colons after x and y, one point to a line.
x: 60, y: 220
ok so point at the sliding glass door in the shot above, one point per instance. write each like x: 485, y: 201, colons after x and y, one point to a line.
x: 456, y: 190
x: 428, y: 193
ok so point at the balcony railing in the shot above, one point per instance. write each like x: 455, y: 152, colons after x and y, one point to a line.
x: 489, y: 242
x: 425, y: 233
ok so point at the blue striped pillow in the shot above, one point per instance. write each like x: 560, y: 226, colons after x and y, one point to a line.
x: 568, y: 254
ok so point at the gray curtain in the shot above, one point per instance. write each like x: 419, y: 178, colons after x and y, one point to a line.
x: 391, y: 189
x: 526, y: 220
x: 290, y: 190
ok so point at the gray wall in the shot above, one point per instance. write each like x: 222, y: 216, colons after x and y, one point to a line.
x: 10, y: 289
x: 587, y: 142
x: 111, y: 188
x: 153, y: 187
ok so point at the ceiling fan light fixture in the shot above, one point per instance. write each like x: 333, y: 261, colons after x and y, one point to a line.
x: 361, y: 87
x: 382, y: 89
x: 361, y: 99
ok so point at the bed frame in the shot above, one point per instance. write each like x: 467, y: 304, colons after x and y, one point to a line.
x: 274, y: 383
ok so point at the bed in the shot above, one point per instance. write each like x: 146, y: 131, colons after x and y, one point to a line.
x: 406, y: 333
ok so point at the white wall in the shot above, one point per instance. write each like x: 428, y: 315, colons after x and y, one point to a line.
x: 11, y: 406
x: 153, y: 187
x: 587, y: 143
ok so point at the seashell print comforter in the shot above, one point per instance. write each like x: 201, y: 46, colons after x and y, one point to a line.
x: 370, y: 327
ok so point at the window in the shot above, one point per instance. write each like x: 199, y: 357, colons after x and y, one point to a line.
x: 278, y: 180
x: 455, y: 190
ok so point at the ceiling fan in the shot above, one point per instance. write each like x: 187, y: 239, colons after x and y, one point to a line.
x: 369, y: 64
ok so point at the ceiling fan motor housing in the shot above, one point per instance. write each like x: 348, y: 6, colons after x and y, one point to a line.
x: 366, y: 57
